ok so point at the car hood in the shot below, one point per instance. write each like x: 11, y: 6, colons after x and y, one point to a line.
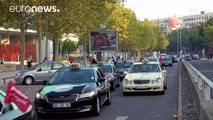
x: 133, y: 76
x: 67, y: 89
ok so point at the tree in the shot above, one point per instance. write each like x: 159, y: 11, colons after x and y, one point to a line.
x: 20, y: 18
x: 68, y: 46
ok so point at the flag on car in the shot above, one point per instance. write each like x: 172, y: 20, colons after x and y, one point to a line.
x: 14, y: 95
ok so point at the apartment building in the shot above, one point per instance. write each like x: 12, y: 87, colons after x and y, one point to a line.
x: 188, y: 21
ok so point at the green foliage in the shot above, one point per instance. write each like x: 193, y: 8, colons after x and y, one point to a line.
x: 68, y: 46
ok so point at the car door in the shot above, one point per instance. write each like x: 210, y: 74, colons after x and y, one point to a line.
x: 43, y: 72
x: 116, y: 75
x: 102, y: 85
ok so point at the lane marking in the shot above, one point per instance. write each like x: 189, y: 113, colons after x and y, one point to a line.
x: 121, y: 118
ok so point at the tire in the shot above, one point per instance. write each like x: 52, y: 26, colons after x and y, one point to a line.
x: 28, y: 80
x: 40, y: 115
x: 108, y: 101
x: 97, y: 107
x: 125, y: 93
x: 113, y: 85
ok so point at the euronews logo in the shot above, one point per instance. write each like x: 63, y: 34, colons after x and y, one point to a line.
x: 27, y: 8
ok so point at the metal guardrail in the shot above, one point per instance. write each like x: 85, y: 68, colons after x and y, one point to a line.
x: 4, y: 79
x: 203, y: 83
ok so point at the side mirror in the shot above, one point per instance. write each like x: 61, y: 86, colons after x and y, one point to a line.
x: 101, y: 79
x: 45, y: 82
x: 39, y: 69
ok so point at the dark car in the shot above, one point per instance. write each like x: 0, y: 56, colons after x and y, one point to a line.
x: 166, y: 61
x: 74, y: 90
x: 110, y: 72
x: 39, y: 72
x: 122, y: 67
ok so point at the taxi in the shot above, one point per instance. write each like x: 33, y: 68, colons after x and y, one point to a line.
x: 145, y: 76
x: 74, y: 90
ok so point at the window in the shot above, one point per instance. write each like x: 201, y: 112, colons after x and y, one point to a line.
x: 46, y: 66
x: 57, y: 66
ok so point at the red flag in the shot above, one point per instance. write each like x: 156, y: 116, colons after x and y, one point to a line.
x: 14, y: 95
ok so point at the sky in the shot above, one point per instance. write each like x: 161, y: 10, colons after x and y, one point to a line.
x: 154, y: 9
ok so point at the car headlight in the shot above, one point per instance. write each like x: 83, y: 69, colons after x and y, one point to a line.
x: 157, y: 80
x: 87, y: 94
x: 126, y: 81
x: 39, y: 96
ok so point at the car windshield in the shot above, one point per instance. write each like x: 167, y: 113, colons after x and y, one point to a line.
x: 124, y: 64
x: 106, y: 68
x: 166, y: 59
x: 72, y: 77
x: 144, y: 68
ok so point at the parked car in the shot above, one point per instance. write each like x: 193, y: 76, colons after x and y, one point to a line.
x: 11, y: 112
x: 74, y: 90
x: 110, y: 72
x: 166, y: 61
x: 145, y: 77
x: 122, y: 67
x: 39, y: 72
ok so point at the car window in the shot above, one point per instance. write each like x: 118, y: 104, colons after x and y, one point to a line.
x: 106, y: 68
x: 57, y: 66
x: 45, y: 66
x: 144, y: 68
x: 101, y: 74
x: 124, y: 64
x: 72, y: 77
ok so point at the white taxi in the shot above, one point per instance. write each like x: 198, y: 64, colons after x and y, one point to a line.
x: 145, y: 76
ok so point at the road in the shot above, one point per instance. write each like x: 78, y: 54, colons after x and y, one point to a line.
x: 141, y: 106
x: 204, y: 66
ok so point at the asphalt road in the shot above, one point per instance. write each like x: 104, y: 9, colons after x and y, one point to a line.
x: 204, y: 66
x: 143, y: 106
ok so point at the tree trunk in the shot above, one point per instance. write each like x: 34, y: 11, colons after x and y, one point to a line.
x: 56, y: 47
x: 22, y: 41
x: 39, y: 33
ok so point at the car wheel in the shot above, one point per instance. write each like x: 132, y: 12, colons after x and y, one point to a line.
x: 113, y: 85
x: 125, y: 93
x: 97, y: 107
x: 108, y: 102
x: 40, y: 115
x: 28, y: 80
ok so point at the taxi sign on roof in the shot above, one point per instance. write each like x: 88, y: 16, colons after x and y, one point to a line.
x: 75, y: 66
x: 145, y: 61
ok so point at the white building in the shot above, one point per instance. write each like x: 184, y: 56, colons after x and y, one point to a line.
x: 188, y: 21
x: 195, y: 20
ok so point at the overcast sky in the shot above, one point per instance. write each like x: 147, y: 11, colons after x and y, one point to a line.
x: 154, y: 9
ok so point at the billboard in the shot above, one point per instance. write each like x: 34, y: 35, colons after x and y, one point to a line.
x: 103, y: 40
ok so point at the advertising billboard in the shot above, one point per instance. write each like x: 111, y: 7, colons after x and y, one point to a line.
x: 103, y: 40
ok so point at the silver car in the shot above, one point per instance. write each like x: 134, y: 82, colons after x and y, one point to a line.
x: 39, y: 72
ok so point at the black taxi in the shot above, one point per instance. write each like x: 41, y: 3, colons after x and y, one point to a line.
x: 74, y: 90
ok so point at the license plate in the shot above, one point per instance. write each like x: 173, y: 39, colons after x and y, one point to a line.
x: 61, y: 105
x: 139, y: 87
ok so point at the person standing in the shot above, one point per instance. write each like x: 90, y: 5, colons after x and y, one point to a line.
x: 71, y: 60
x: 45, y: 59
x: 160, y: 61
x: 29, y: 62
